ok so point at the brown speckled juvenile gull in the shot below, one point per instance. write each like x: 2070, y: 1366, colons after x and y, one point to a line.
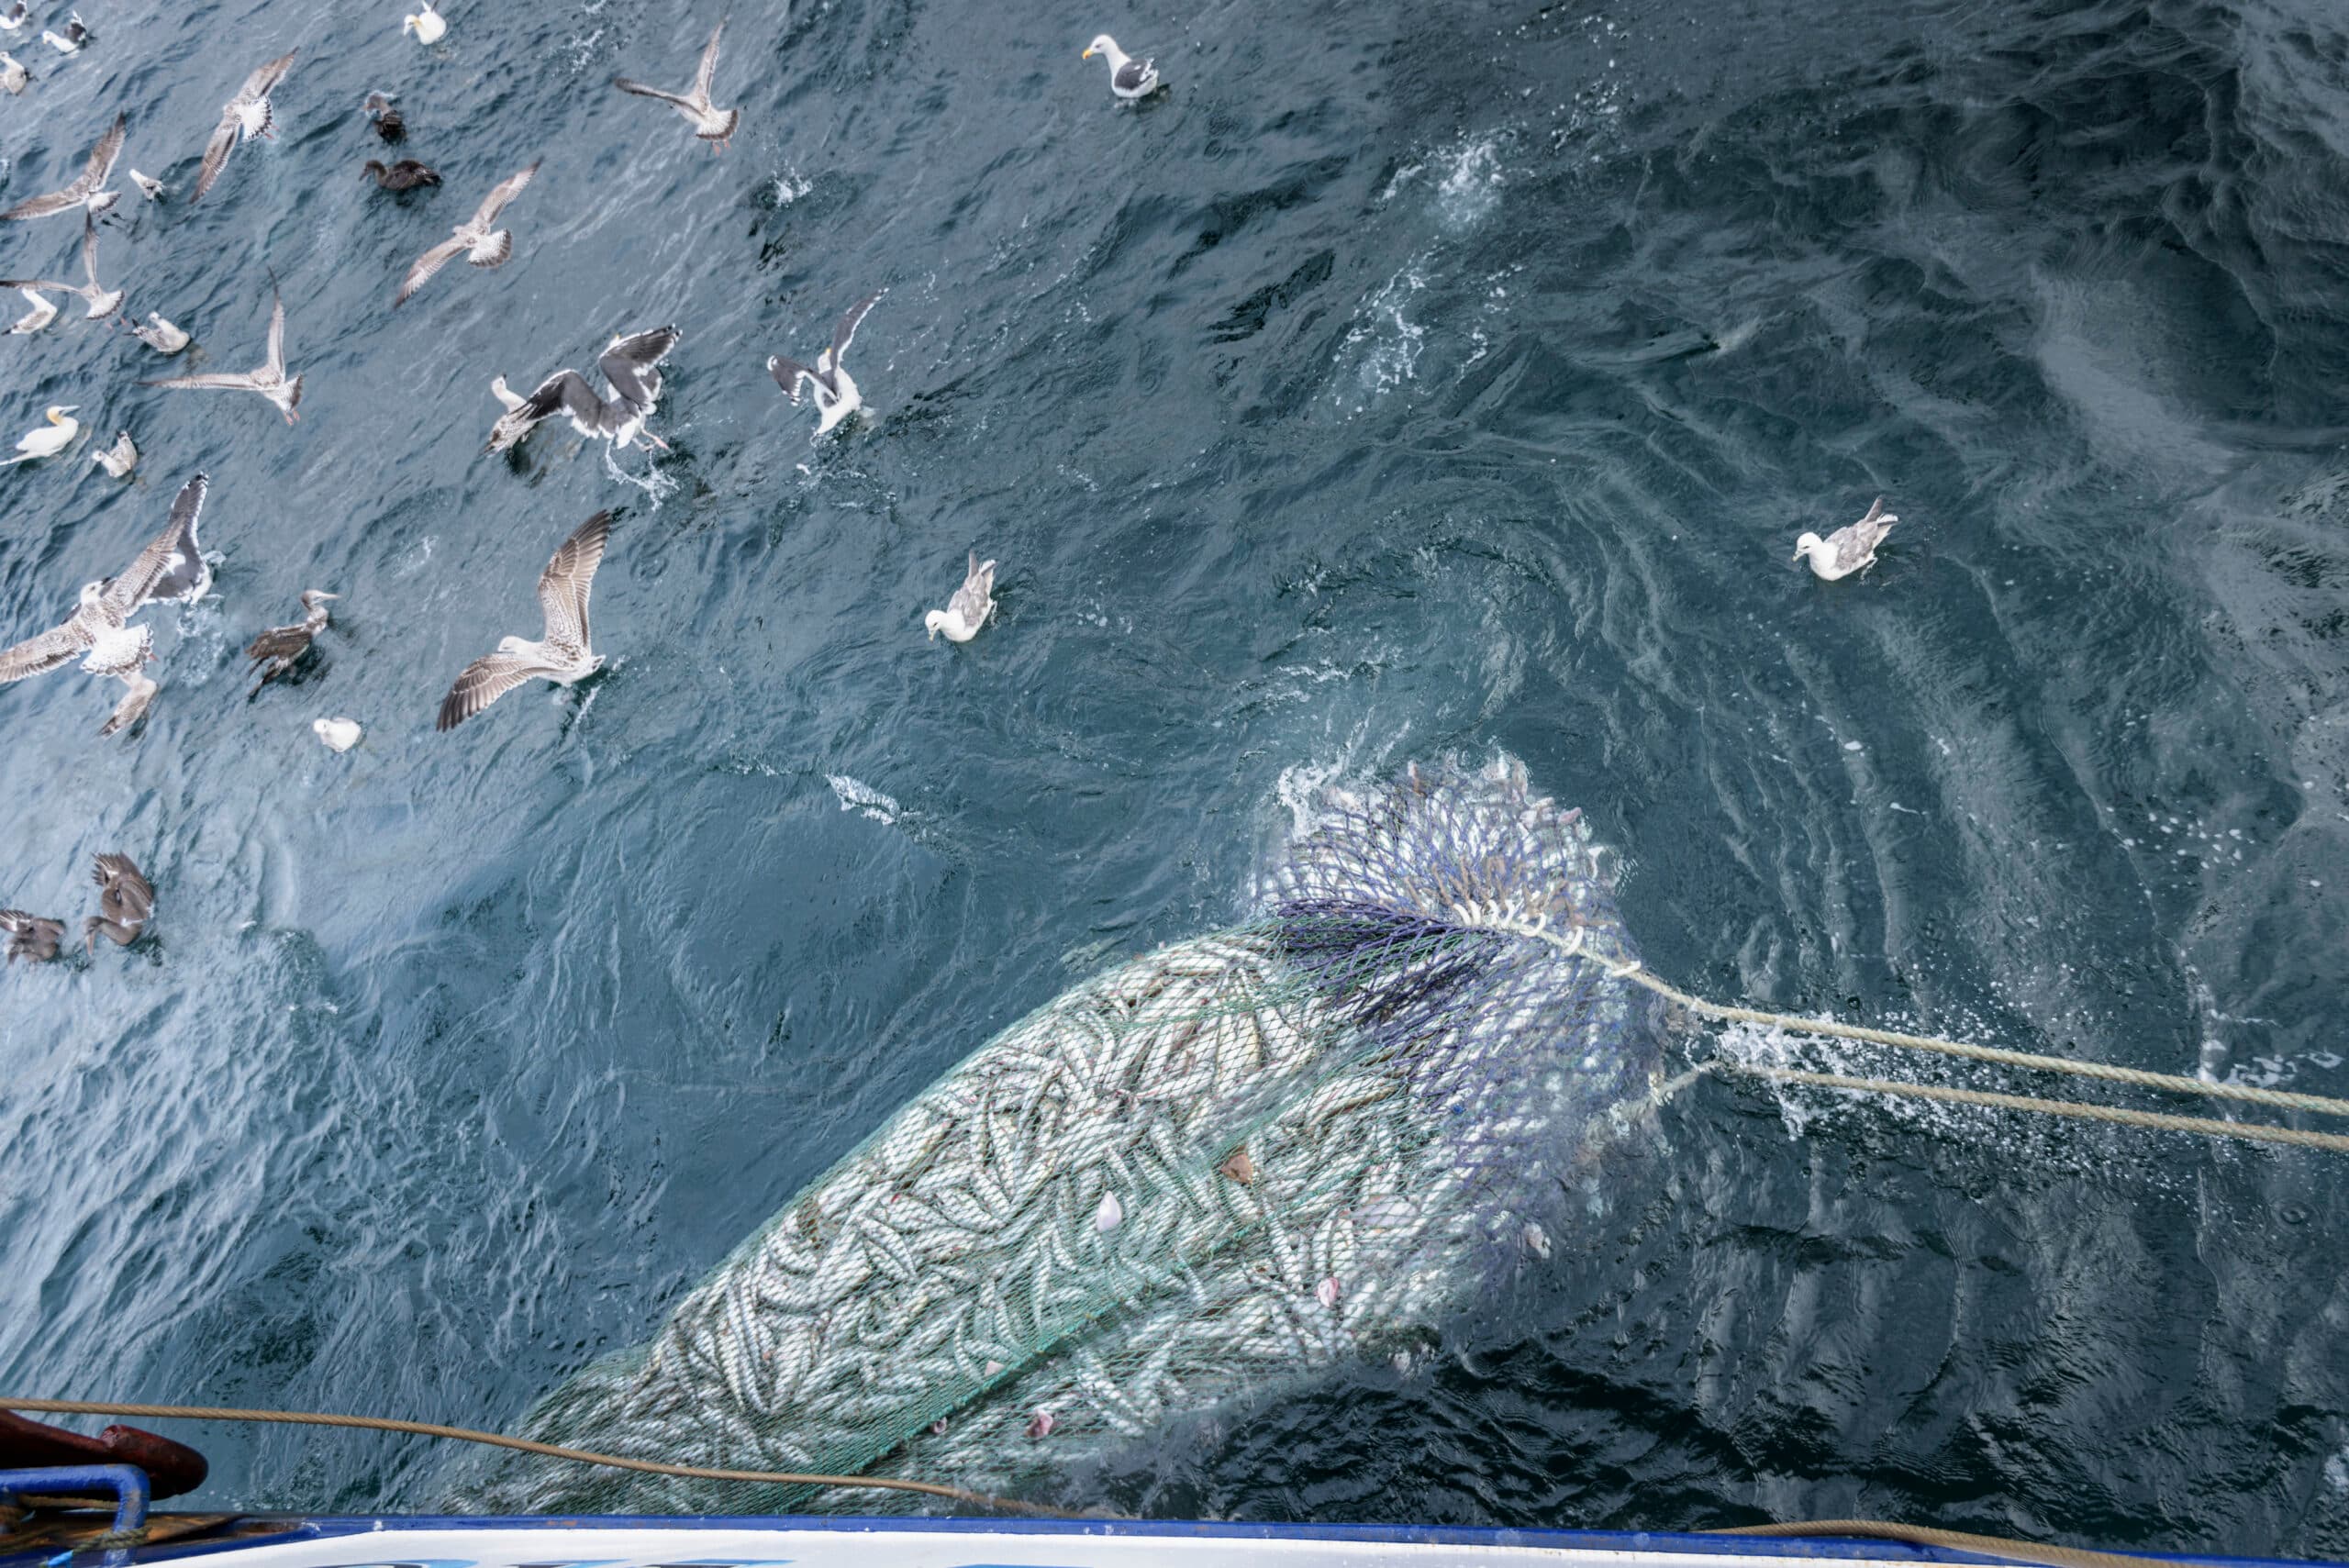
x: 483, y: 246
x: 88, y: 190
x: 125, y: 899
x: 269, y: 378
x: 712, y: 124
x: 563, y: 654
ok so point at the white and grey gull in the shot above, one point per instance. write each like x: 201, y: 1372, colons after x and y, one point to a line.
x: 631, y: 366
x: 969, y: 608
x: 835, y: 391
x: 712, y: 124
x: 1129, y: 78
x: 14, y: 18
x: 1849, y: 549
x: 102, y: 301
x: 269, y: 378
x: 158, y: 334
x: 562, y: 655
x: 87, y: 189
x: 119, y: 459
x: 14, y: 77
x: 70, y: 40
x: 474, y: 238
x: 242, y: 119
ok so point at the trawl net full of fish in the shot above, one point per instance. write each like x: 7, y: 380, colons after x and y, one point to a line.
x: 1238, y: 1157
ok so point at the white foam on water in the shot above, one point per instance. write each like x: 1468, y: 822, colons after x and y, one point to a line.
x: 856, y: 795
x: 790, y: 185
x: 654, y: 483
x: 1384, y: 345
x: 1471, y: 186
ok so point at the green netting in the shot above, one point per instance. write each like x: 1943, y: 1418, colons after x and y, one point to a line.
x: 1230, y: 1162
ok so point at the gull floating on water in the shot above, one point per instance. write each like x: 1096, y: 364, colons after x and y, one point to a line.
x: 836, y: 393
x: 280, y: 648
x: 98, y: 631
x: 71, y: 41
x: 269, y: 378
x: 30, y: 936
x: 13, y: 74
x: 389, y: 125
x: 149, y: 186
x: 119, y: 459
x: 428, y: 25
x: 712, y: 124
x: 159, y: 334
x: 969, y: 608
x: 243, y: 117
x: 88, y: 189
x: 14, y: 18
x: 340, y: 734
x: 102, y: 301
x: 126, y: 900
x: 1129, y: 78
x: 631, y: 366
x: 50, y: 439
x: 483, y: 246
x: 563, y: 654
x: 405, y: 175
x: 33, y: 320
x: 1849, y: 549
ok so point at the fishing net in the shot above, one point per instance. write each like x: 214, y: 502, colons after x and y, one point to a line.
x: 1232, y: 1161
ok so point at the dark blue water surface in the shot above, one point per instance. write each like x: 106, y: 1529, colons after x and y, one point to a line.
x: 1407, y: 379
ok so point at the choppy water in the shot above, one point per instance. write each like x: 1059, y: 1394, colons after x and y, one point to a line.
x: 1409, y: 378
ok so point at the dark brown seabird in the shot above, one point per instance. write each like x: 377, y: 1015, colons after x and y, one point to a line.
x: 280, y: 648
x: 126, y: 898
x: 30, y: 936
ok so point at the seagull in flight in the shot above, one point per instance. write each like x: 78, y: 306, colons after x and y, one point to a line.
x: 562, y: 655
x: 712, y: 124
x: 836, y: 393
x: 630, y: 365
x: 269, y: 378
x: 483, y: 246
x: 243, y: 117
x: 102, y: 301
x: 99, y: 632
x: 88, y: 189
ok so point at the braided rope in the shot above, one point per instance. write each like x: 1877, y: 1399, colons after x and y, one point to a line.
x: 2159, y: 1121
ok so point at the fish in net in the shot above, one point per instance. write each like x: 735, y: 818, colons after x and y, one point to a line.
x: 1229, y: 1163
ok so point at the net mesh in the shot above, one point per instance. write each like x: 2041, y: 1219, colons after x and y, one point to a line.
x: 1232, y: 1161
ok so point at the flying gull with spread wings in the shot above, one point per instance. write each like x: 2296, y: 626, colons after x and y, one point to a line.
x: 483, y: 246
x: 102, y: 301
x: 630, y: 365
x: 269, y: 378
x: 712, y: 124
x: 88, y: 189
x: 100, y: 632
x: 242, y: 119
x: 562, y: 655
x: 836, y: 393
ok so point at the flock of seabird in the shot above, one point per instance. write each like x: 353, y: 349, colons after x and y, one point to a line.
x: 100, y: 633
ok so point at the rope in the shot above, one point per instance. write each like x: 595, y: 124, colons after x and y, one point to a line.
x: 494, y: 1440
x: 2157, y: 1120
x: 1924, y: 1535
x: 2280, y: 1099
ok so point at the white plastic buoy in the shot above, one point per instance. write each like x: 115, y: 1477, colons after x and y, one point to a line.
x: 340, y: 734
x: 1106, y: 1218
